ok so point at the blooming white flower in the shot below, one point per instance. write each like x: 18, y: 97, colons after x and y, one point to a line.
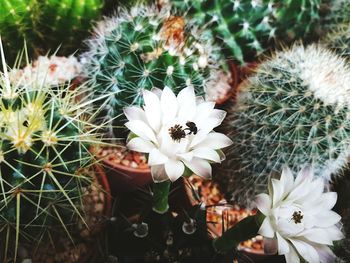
x: 177, y: 132
x: 299, y: 217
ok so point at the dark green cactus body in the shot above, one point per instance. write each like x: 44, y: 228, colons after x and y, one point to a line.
x: 246, y: 27
x: 129, y: 55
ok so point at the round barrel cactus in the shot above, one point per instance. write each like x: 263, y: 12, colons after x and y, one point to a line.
x: 245, y: 27
x: 44, y: 142
x: 293, y: 111
x: 141, y: 49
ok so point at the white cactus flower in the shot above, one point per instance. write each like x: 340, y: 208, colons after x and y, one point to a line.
x: 176, y: 132
x: 299, y: 217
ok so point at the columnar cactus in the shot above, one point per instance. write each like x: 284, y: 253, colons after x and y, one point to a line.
x: 294, y: 111
x: 143, y: 48
x: 246, y: 26
x: 46, y: 24
x: 43, y: 148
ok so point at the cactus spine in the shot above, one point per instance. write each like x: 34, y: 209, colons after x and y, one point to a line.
x: 143, y: 48
x: 43, y: 149
x: 294, y: 111
x: 245, y: 27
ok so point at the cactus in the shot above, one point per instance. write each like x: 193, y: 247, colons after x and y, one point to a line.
x: 46, y: 25
x: 245, y: 27
x: 43, y: 150
x: 338, y: 25
x: 338, y: 39
x: 143, y: 48
x: 294, y: 111
x: 16, y: 24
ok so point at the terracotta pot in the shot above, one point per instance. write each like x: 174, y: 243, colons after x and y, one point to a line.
x: 247, y: 69
x: 103, y: 181
x: 235, y: 79
x: 124, y: 178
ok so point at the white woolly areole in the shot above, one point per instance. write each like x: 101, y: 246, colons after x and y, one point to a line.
x: 323, y: 72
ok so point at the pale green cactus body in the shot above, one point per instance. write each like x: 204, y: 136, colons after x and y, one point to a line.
x: 44, y: 145
x: 46, y: 25
x: 246, y: 27
x: 293, y: 111
x: 141, y: 49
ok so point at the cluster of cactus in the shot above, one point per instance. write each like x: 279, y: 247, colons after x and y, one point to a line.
x: 46, y: 25
x: 245, y: 27
x: 293, y: 111
x: 43, y: 153
x: 338, y: 23
x: 141, y: 49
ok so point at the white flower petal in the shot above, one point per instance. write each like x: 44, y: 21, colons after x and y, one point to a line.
x: 287, y: 180
x: 156, y: 158
x: 278, y: 191
x: 199, y: 167
x: 186, y: 156
x: 135, y: 113
x: 307, y: 251
x: 292, y: 256
x: 215, y: 141
x: 142, y: 130
x: 317, y: 235
x: 169, y: 105
x: 174, y: 169
x: 263, y: 203
x: 283, y: 245
x: 203, y: 111
x: 266, y: 229
x: 140, y: 145
x: 152, y: 109
x: 326, y: 254
x: 187, y: 104
x: 207, y: 154
x: 158, y: 173
x: 326, y: 219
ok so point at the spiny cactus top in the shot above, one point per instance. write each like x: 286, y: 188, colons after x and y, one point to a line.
x: 293, y: 111
x: 143, y: 48
x: 44, y: 143
x: 246, y: 26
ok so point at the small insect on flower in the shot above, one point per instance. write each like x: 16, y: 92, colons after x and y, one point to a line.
x: 192, y: 128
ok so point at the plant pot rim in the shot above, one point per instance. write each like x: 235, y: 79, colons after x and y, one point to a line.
x: 125, y: 168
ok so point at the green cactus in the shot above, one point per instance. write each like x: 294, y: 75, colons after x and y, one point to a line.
x: 144, y: 48
x: 338, y: 39
x: 45, y: 25
x: 294, y: 111
x: 44, y: 143
x: 245, y: 27
x: 338, y: 25
x: 16, y: 24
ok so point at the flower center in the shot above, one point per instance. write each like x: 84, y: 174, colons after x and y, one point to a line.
x: 297, y: 217
x: 177, y: 132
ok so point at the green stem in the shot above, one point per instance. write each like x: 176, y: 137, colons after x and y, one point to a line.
x: 160, y: 197
x: 244, y: 230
